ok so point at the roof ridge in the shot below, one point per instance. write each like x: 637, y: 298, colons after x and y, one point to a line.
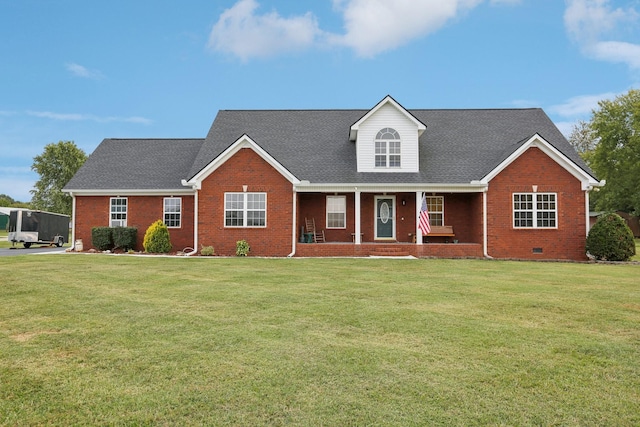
x: 156, y: 139
x: 368, y: 109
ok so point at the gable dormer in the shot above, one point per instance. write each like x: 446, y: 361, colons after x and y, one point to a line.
x: 387, y: 139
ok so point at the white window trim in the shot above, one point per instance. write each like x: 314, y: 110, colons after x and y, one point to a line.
x: 534, y: 211
x: 244, y: 210
x: 431, y: 212
x: 164, y: 212
x: 123, y: 223
x: 344, y: 212
x: 387, y: 154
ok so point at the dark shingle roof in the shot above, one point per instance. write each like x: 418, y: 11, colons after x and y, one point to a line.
x: 458, y: 146
x: 137, y: 164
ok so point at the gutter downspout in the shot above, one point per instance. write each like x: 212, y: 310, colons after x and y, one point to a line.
x: 73, y: 222
x: 195, y: 220
x: 586, y: 208
x: 294, y: 223
x: 485, y: 238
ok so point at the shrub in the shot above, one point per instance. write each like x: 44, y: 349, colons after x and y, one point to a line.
x: 124, y: 237
x: 102, y: 238
x: 206, y: 251
x: 242, y: 248
x: 611, y: 239
x: 156, y: 238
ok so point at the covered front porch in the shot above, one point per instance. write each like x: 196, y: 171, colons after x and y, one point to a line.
x: 372, y: 222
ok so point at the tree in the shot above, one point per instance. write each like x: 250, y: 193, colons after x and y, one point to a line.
x: 582, y: 138
x: 8, y: 202
x: 616, y: 158
x: 56, y: 166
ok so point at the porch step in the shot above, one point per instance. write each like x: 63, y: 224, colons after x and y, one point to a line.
x: 389, y: 251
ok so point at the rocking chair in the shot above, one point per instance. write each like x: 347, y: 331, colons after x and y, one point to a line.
x: 310, y: 228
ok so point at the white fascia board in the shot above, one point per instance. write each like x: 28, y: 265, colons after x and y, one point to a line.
x: 353, y: 133
x: 539, y: 142
x: 307, y: 187
x: 243, y: 142
x: 130, y: 192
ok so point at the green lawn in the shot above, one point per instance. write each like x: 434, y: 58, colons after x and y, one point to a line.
x: 123, y: 340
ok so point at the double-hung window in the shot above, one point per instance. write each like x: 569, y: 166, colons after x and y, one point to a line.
x: 336, y: 211
x: 172, y: 212
x: 118, y: 212
x: 535, y: 210
x: 435, y: 206
x: 245, y: 209
x: 387, y: 147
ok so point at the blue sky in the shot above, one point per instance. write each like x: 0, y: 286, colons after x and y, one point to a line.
x: 84, y: 71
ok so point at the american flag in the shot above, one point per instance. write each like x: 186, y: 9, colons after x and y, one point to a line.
x: 423, y: 221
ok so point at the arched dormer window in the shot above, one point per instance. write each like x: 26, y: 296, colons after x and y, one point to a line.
x: 387, y: 149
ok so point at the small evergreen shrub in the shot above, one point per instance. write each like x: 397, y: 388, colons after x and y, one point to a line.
x: 207, y: 251
x: 242, y: 248
x: 611, y: 239
x: 156, y: 239
x: 102, y: 238
x: 124, y: 237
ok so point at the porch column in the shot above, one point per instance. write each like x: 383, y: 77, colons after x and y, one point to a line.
x: 357, y: 239
x: 417, y: 216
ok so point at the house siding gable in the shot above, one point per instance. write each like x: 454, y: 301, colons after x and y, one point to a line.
x: 535, y: 168
x: 387, y: 116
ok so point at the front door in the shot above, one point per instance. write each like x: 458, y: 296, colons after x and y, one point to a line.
x: 385, y: 217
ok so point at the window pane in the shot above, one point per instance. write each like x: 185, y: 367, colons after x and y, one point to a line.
x: 172, y: 211
x: 336, y: 211
x: 435, y: 206
x: 118, y: 212
x: 245, y: 209
x: 541, y: 206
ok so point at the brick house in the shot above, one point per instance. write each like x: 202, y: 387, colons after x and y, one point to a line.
x: 500, y: 183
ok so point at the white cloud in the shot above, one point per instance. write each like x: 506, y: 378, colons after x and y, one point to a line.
x: 374, y: 26
x: 241, y: 32
x: 591, y: 23
x: 575, y: 109
x: 81, y: 71
x: 579, y: 106
x: 88, y: 117
x: 612, y: 51
x: 370, y: 26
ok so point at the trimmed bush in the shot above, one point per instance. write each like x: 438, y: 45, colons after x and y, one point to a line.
x: 156, y: 238
x: 611, y: 239
x: 242, y: 248
x: 125, y: 237
x: 207, y: 251
x: 102, y: 238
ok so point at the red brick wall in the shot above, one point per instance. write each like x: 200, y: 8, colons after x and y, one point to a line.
x: 246, y: 168
x: 536, y: 168
x: 142, y: 211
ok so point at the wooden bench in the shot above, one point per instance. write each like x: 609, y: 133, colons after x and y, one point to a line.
x: 439, y: 231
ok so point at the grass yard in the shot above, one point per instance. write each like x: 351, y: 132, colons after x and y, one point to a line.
x: 123, y: 340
